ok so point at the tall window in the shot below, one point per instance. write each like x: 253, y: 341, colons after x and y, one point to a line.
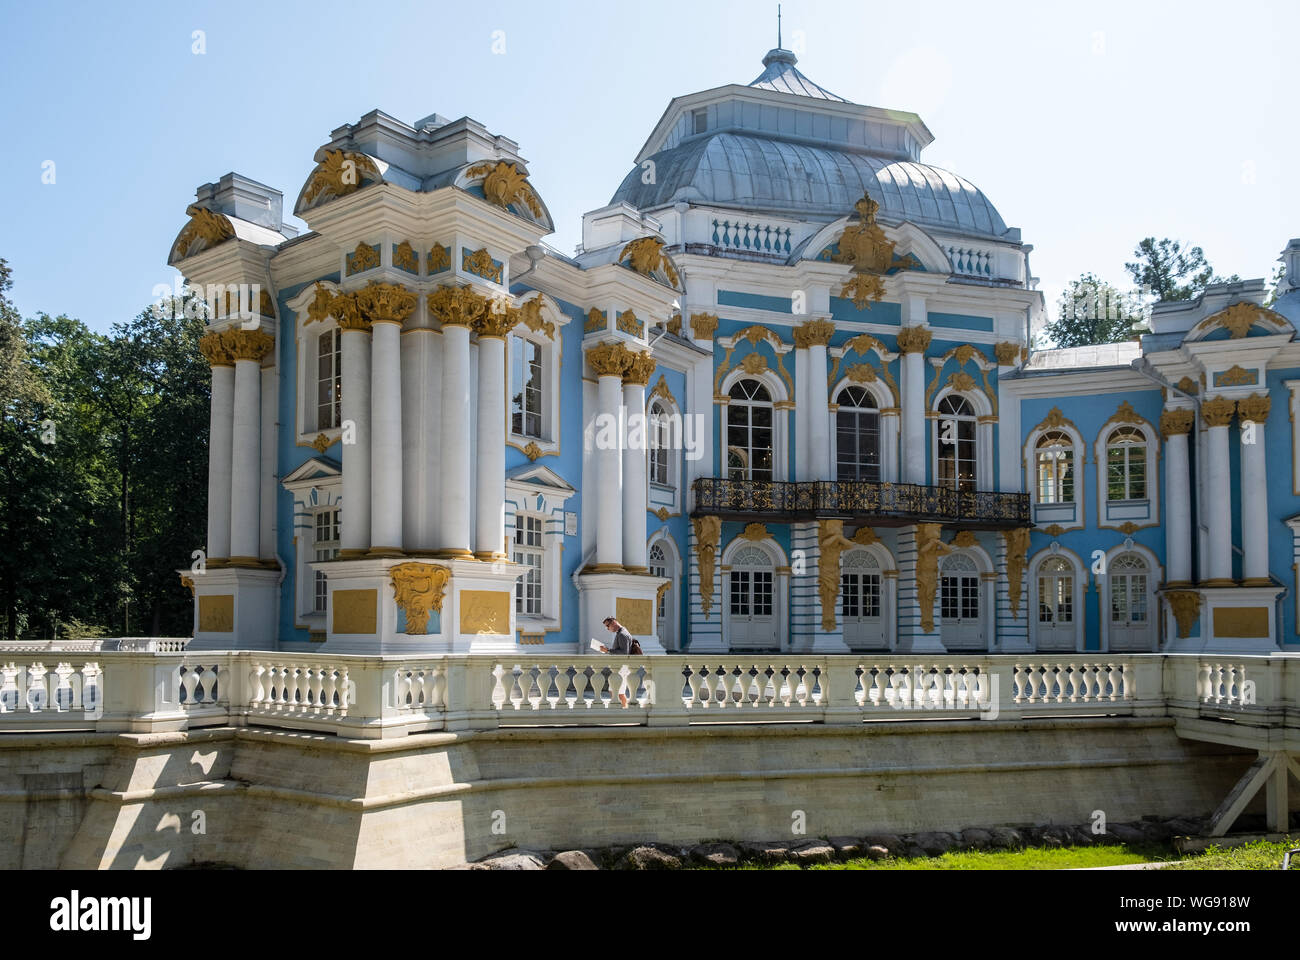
x: 956, y: 426
x: 749, y: 432
x: 959, y: 592
x: 860, y: 586
x: 1126, y: 465
x: 1055, y: 468
x: 1055, y: 593
x: 525, y: 387
x: 659, y: 568
x: 327, y: 548
x: 660, y: 433
x: 1128, y: 591
x: 857, y: 436
x: 529, y: 553
x: 329, y: 380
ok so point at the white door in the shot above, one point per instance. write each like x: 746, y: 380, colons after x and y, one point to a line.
x: 860, y: 595
x: 664, y: 616
x: 1055, y: 626
x: 961, y: 626
x: 751, y: 622
x: 1130, y: 626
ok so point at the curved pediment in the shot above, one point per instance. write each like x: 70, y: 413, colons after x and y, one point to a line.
x: 339, y: 173
x: 1242, y: 319
x: 506, y: 185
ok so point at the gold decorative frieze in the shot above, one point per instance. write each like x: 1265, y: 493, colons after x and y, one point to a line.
x: 596, y: 321
x: 869, y: 253
x: 1218, y: 411
x: 755, y: 532
x: 929, y: 548
x: 704, y: 325
x: 505, y: 185
x: 812, y: 333
x: 247, y: 344
x: 363, y: 258
x: 1236, y: 376
x: 481, y: 264
x: 1186, y: 606
x: 457, y: 306
x: 708, y: 531
x: 437, y: 259
x: 385, y: 302
x: 675, y: 325
x: 339, y: 174
x: 609, y: 359
x: 1254, y: 408
x: 629, y: 323
x: 646, y: 256
x: 1188, y: 385
x: 1007, y: 354
x: 404, y: 257
x: 831, y: 542
x: 1176, y: 423
x: 214, y: 350
x: 485, y: 611
x: 205, y: 230
x: 419, y: 589
x: 1238, y: 319
x: 914, y: 339
x: 1017, y: 545
x: 639, y: 368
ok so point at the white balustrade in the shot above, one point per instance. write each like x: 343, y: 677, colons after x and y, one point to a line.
x: 581, y: 684
x: 33, y: 688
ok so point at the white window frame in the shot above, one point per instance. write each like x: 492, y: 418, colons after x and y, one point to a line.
x: 1155, y: 576
x: 884, y: 425
x: 549, y: 441
x: 1113, y: 514
x: 658, y: 495
x: 983, y: 436
x: 1069, y: 514
x: 529, y: 523
x: 315, y: 486
x: 307, y: 338
x: 536, y: 491
x: 334, y: 518
x: 779, y: 397
x: 780, y: 588
x: 1079, y: 573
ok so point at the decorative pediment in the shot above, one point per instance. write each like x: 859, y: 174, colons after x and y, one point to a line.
x: 312, y: 472
x: 540, y: 476
x: 1239, y: 319
x: 506, y: 185
x: 341, y: 173
x: 646, y: 256
x: 205, y: 230
x: 870, y: 254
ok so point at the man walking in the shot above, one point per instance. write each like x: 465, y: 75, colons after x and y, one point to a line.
x: 624, y: 643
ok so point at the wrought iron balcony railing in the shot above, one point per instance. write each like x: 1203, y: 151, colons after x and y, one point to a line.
x: 884, y: 504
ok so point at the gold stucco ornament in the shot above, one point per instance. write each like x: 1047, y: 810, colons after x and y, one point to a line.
x: 419, y: 590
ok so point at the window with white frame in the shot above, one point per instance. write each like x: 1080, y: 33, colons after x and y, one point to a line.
x: 1054, y: 454
x: 527, y: 387
x: 529, y: 552
x: 857, y: 436
x: 957, y: 466
x: 326, y: 546
x: 1126, y: 464
x: 329, y: 380
x: 1128, y: 591
x: 749, y: 432
x: 661, y: 444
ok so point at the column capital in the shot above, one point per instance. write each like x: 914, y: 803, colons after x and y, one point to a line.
x: 1254, y: 408
x: 457, y: 306
x: 813, y: 333
x: 1008, y: 353
x: 319, y: 308
x: 609, y: 359
x: 1175, y: 423
x: 1218, y: 412
x: 704, y: 325
x: 247, y: 344
x: 914, y: 340
x: 215, y: 351
x: 347, y: 311
x: 639, y: 368
x: 498, y: 325
x: 385, y: 302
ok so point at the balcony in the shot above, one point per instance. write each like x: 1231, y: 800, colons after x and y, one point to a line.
x: 879, y: 504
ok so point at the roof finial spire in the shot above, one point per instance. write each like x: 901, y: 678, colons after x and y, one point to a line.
x: 778, y: 26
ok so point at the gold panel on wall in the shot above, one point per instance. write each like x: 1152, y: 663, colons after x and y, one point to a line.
x: 636, y: 615
x: 355, y: 611
x: 217, y: 614
x: 1240, y: 622
x: 485, y: 611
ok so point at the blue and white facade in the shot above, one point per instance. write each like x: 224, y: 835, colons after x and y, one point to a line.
x: 781, y: 398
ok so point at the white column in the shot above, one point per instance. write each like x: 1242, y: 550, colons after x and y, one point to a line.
x: 609, y: 361
x: 245, y: 458
x: 889, y: 447
x: 355, y: 536
x: 1178, y: 503
x: 421, y: 377
x: 386, y: 428
x: 270, y: 444
x: 490, y: 485
x: 640, y: 366
x: 456, y: 464
x: 802, y: 430
x: 912, y: 343
x: 1217, y: 508
x: 1253, y: 413
x: 219, y: 448
x: 818, y: 412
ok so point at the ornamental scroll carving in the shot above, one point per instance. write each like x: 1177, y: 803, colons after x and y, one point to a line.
x: 504, y: 184
x: 205, y: 230
x: 1186, y: 606
x: 708, y: 531
x: 831, y: 542
x: 646, y: 256
x: 864, y: 246
x: 419, y: 590
x: 339, y: 174
x: 1017, y: 544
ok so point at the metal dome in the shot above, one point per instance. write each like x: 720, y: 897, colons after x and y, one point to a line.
x: 762, y: 174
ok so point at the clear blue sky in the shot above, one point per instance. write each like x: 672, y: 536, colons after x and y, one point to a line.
x: 1089, y: 126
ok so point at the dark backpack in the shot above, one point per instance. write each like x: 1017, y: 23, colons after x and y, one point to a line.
x: 635, y: 649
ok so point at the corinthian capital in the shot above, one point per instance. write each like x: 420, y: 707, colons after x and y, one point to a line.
x: 914, y: 340
x: 639, y: 368
x: 385, y: 302
x: 1174, y: 423
x: 214, y: 350
x: 1254, y: 408
x: 247, y: 344
x: 347, y: 311
x: 814, y: 333
x: 609, y: 359
x: 1218, y: 412
x: 457, y: 306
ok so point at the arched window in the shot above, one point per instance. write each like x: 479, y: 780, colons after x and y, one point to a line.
x: 1128, y: 592
x: 659, y: 568
x: 860, y: 592
x: 660, y: 436
x: 749, y: 432
x: 527, y: 385
x: 1055, y: 464
x: 1126, y: 464
x: 857, y: 436
x: 1056, y: 630
x: 956, y: 466
x: 750, y: 622
x: 959, y: 603
x: 329, y: 380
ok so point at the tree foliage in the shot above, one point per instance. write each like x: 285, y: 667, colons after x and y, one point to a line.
x: 103, y: 472
x: 1093, y: 311
x: 1168, y: 272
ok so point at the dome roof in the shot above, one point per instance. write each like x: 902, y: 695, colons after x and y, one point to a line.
x: 780, y: 176
x: 781, y: 75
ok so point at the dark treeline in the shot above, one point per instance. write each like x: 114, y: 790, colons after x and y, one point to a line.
x: 103, y: 473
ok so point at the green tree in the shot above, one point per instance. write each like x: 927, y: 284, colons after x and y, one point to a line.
x: 1169, y: 272
x: 1093, y: 311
